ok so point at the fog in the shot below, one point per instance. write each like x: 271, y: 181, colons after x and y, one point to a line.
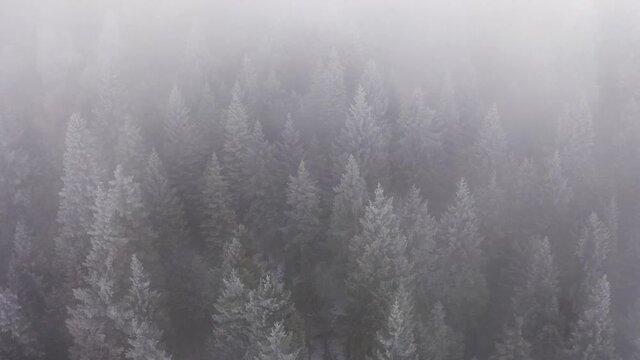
x: 406, y: 180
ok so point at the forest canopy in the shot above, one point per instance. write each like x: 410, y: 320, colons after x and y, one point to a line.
x: 304, y: 180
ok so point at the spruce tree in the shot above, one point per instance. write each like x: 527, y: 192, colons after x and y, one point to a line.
x: 303, y: 229
x: 557, y: 191
x: 278, y: 345
x: 236, y: 143
x: 219, y: 219
x: 417, y: 145
x: 77, y: 198
x: 576, y: 146
x: 437, y: 341
x: 491, y: 147
x: 462, y: 284
x: 396, y: 341
x: 348, y: 207
x: 377, y: 268
x: 512, y: 345
x: 17, y: 336
x: 593, y: 251
x: 593, y: 335
x: 141, y: 304
x: 373, y: 85
x: 363, y: 138
x: 231, y: 330
x: 129, y: 148
x: 183, y: 155
x: 535, y: 303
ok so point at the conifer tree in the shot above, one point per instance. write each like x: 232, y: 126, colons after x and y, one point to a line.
x: 363, y: 138
x: 417, y: 145
x: 420, y: 229
x: 219, y: 219
x: 258, y: 187
x: 558, y: 193
x: 536, y: 301
x: 236, y: 143
x: 377, y: 267
x: 593, y: 335
x: 278, y: 345
x: 348, y: 207
x: 374, y: 88
x: 109, y: 110
x: 183, y: 155
x: 129, y: 148
x: 491, y: 147
x: 513, y: 346
x: 303, y: 227
x: 17, y: 336
x: 231, y: 334
x: 77, y: 198
x: 141, y: 304
x: 437, y: 340
x: 288, y: 153
x: 462, y: 284
x: 575, y: 144
x: 593, y: 250
x: 396, y: 341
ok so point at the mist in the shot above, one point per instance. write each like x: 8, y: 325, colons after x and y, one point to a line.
x: 307, y: 180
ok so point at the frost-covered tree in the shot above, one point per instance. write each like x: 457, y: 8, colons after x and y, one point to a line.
x: 80, y: 181
x: 512, y: 345
x: 576, y: 145
x: 144, y: 337
x: 219, y: 219
x: 396, y: 341
x: 236, y: 144
x: 535, y: 302
x: 348, y: 207
x: 17, y: 336
x: 462, y: 285
x: 558, y: 193
x: 491, y: 147
x: 417, y: 145
x: 593, y: 251
x: 420, y: 229
x: 231, y: 328
x: 278, y: 345
x: 436, y: 340
x: 183, y: 154
x: 375, y: 91
x: 593, y: 335
x: 303, y: 227
x: 363, y: 138
x: 129, y: 148
x: 377, y: 268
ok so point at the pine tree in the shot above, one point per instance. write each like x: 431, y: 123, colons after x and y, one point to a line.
x: 219, y: 218
x: 396, y: 341
x: 248, y: 81
x: 259, y: 187
x: 236, y: 144
x: 576, y: 146
x: 348, y: 207
x: 278, y: 346
x: 377, y: 267
x: 363, y: 138
x: 513, y: 346
x: 437, y: 340
x: 130, y: 153
x: 231, y: 331
x: 269, y: 303
x: 373, y: 85
x: 108, y: 111
x: 593, y: 335
x: 417, y: 145
x: 288, y: 153
x: 491, y: 147
x: 17, y: 337
x: 183, y: 155
x: 536, y: 300
x: 77, y: 198
x: 593, y: 251
x: 558, y: 193
x: 303, y: 228
x: 420, y: 229
x: 462, y: 284
x: 141, y: 304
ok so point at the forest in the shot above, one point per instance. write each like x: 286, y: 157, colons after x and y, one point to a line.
x: 319, y: 180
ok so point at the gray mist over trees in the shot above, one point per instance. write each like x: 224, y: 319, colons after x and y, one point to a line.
x: 307, y: 180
